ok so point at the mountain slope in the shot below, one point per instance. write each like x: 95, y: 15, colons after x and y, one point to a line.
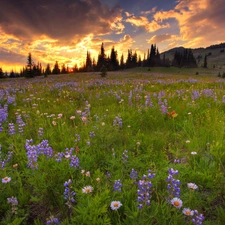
x: 215, y: 55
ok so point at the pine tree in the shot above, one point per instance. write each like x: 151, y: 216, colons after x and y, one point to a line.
x: 114, y: 64
x: 29, y: 73
x: 63, y: 70
x: 88, y: 65
x: 101, y: 58
x: 1, y: 73
x: 205, y: 62
x: 56, y: 69
x: 122, y: 65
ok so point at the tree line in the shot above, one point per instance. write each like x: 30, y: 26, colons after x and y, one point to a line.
x: 111, y: 62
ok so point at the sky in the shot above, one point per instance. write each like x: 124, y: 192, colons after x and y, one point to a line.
x: 64, y: 30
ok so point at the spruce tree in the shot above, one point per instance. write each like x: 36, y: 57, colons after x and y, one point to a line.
x: 56, y: 69
x: 205, y: 62
x: 1, y: 73
x: 29, y: 72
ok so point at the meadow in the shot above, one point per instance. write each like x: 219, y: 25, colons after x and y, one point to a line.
x: 134, y: 148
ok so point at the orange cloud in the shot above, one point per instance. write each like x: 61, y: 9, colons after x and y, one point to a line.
x: 200, y: 23
x: 141, y: 21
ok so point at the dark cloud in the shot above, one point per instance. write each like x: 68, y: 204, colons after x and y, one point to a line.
x: 8, y: 56
x: 58, y: 19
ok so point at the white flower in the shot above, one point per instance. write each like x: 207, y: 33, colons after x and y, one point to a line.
x: 88, y: 174
x: 103, y: 124
x: 6, y: 180
x: 187, y: 141
x: 194, y: 153
x: 87, y: 189
x: 115, y: 205
x: 72, y: 117
x: 177, y: 202
x: 192, y: 186
x: 188, y: 212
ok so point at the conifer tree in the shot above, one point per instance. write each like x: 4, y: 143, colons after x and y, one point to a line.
x: 101, y: 58
x: 1, y: 73
x: 205, y: 62
x: 56, y: 69
x: 29, y: 72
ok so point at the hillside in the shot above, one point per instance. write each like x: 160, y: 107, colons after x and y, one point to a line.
x: 215, y: 55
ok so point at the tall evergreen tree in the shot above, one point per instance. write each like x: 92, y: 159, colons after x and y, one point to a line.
x: 122, y: 64
x: 88, y: 65
x: 29, y: 73
x: 205, y: 62
x: 1, y: 73
x: 48, y: 70
x: 63, y: 70
x: 56, y: 69
x: 101, y: 58
x: 114, y: 63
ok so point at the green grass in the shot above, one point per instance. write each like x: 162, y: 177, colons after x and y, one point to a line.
x: 94, y: 120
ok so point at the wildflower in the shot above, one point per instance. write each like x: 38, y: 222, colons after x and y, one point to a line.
x: 14, y: 203
x: 144, y: 190
x: 88, y: 174
x: 87, y: 189
x: 72, y: 117
x: 177, y: 202
x: 103, y: 124
x: 188, y: 212
x: 187, y: 141
x: 84, y: 119
x: 98, y: 179
x: 194, y: 153
x: 52, y: 220
x: 68, y: 193
x: 15, y: 165
x: 125, y: 156
x: 54, y: 123
x: 115, y: 205
x: 60, y: 115
x: 198, y: 218
x: 117, y: 185
x: 6, y: 180
x: 173, y: 186
x: 82, y: 171
x: 79, y: 112
x: 192, y: 186
x: 133, y: 175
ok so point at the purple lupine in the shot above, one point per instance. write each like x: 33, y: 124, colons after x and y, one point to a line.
x: 59, y: 156
x: 118, y: 122
x: 14, y: 202
x: 134, y: 175
x: 144, y: 190
x: 173, y: 186
x: 20, y: 123
x: 197, y: 218
x: 69, y: 194
x: 77, y: 136
x: 40, y: 131
x: 130, y: 98
x: 163, y: 109
x: 74, y: 161
x: 125, y: 156
x: 92, y: 134
x: 3, y: 162
x: 117, y: 185
x: 52, y: 220
x: 11, y: 129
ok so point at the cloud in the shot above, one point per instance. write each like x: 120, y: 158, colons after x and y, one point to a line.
x: 57, y: 19
x: 150, y: 26
x: 200, y: 22
x: 161, y: 38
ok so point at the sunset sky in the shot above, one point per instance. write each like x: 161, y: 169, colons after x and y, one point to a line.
x: 63, y: 30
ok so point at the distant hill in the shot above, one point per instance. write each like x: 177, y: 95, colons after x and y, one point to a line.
x: 215, y: 55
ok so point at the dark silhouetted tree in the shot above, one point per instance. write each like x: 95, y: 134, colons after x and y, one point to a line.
x: 29, y: 72
x: 113, y: 61
x: 101, y: 58
x: 1, y: 73
x: 88, y: 65
x: 205, y: 62
x: 56, y: 69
